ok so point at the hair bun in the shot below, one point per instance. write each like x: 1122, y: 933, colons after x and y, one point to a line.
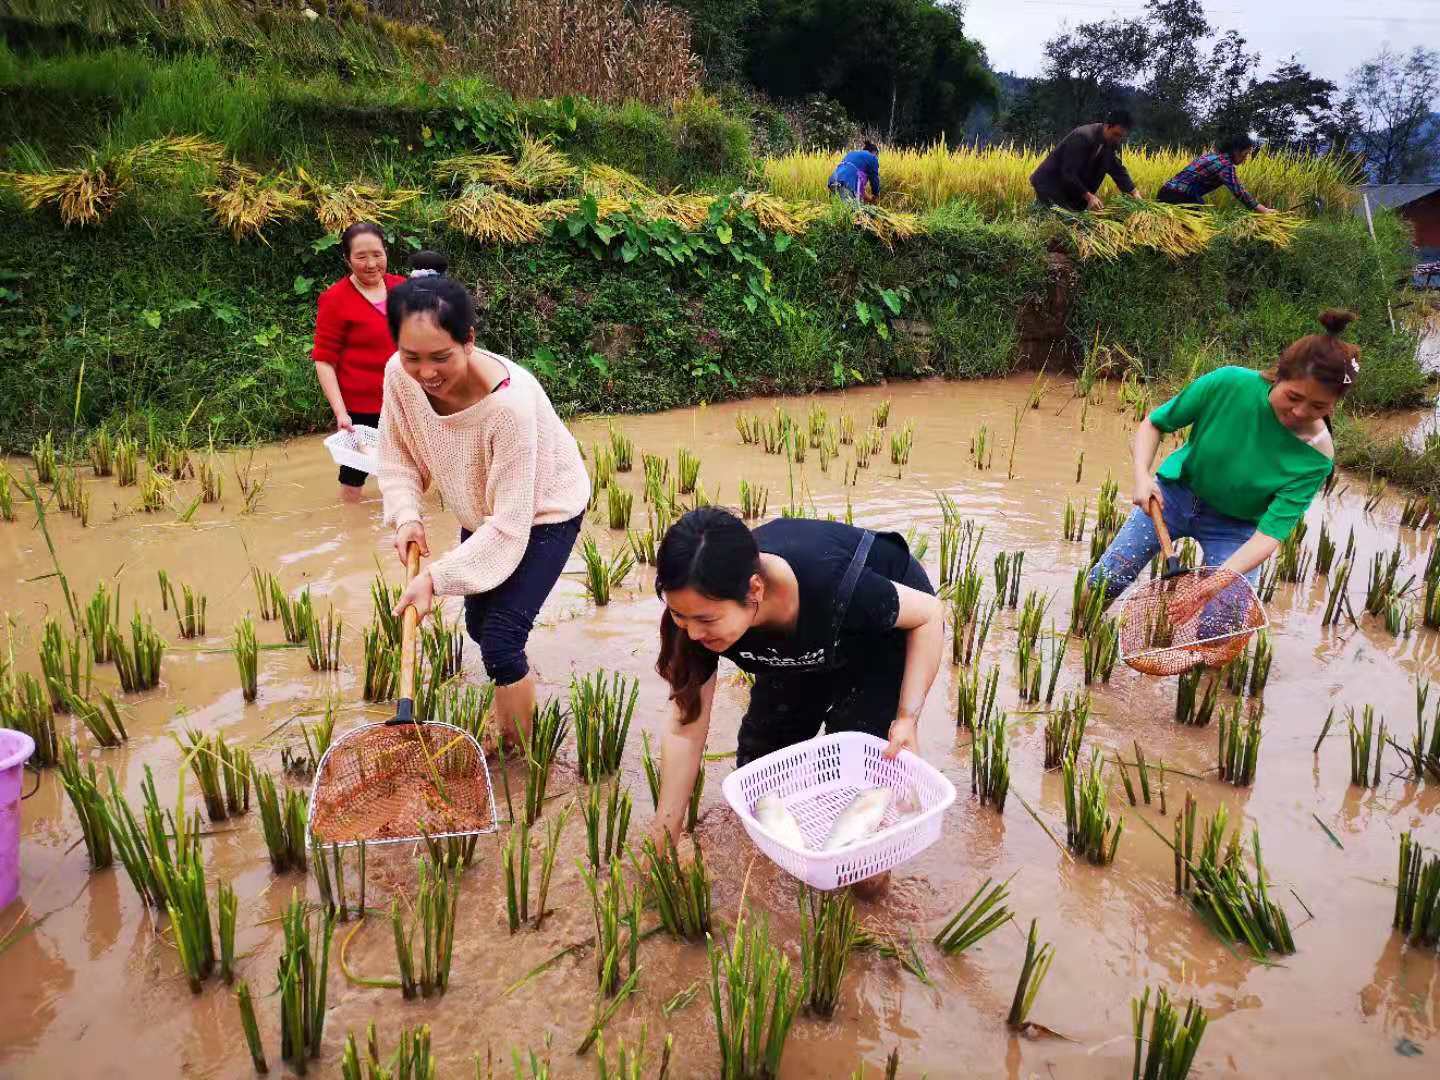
x: 1335, y: 320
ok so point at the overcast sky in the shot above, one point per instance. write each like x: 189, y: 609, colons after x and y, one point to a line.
x: 1328, y: 36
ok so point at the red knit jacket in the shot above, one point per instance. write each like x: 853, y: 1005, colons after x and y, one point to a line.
x: 354, y: 339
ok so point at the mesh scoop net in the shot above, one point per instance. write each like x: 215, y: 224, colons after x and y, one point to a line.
x: 387, y: 783
x: 1152, y: 643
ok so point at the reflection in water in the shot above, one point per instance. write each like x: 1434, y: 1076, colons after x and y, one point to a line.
x: 98, y: 976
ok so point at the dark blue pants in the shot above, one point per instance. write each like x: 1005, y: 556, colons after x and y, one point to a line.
x: 500, y: 621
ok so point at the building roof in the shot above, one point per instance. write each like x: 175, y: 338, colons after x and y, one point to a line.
x: 1397, y: 195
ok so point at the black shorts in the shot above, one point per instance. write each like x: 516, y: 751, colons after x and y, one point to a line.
x: 785, y: 710
x: 356, y: 477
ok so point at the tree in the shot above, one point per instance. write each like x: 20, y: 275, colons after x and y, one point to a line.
x: 1390, y: 96
x: 1176, y: 90
x: 900, y: 67
x: 717, y: 31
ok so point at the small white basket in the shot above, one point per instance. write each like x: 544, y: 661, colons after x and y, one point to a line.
x: 358, y: 448
x: 816, y: 780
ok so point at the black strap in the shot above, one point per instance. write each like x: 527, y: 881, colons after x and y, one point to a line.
x: 846, y: 591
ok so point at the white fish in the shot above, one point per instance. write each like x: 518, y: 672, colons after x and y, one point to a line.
x: 779, y: 822
x: 859, y: 819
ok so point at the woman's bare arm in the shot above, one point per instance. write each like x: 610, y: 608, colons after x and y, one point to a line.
x: 682, y: 752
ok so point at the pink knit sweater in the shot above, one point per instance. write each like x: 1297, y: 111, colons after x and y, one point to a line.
x: 502, y: 465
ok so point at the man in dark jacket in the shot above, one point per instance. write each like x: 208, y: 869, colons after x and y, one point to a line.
x: 1074, y: 170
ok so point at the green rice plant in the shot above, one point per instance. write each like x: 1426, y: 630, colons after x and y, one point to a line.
x: 680, y: 892
x: 302, y: 975
x: 1173, y: 1040
x: 132, y: 842
x: 1264, y: 588
x: 846, y: 429
x: 251, y: 1028
x: 687, y: 469
x: 1292, y: 559
x: 42, y: 453
x: 189, y: 912
x: 1102, y: 649
x: 189, y: 609
x: 601, y: 576
x: 974, y: 704
x: 1417, y: 894
x: 412, y: 1059
x: 515, y: 865
x: 267, y: 585
x: 602, y: 465
x: 100, y: 449
x: 1339, y: 600
x: 282, y: 822
x: 901, y: 443
x: 652, y: 770
x: 127, y: 462
x: 990, y: 763
x: 605, y: 831
x: 67, y: 664
x: 322, y: 642
x: 601, y: 712
x: 433, y: 915
x: 1065, y: 729
x: 622, y: 450
x: 1381, y: 589
x: 754, y: 500
x: 881, y: 414
x: 643, y: 546
x: 1419, y: 512
x: 1362, y: 740
x: 1399, y: 619
x: 295, y: 615
x: 540, y: 747
x: 383, y: 598
x: 827, y: 935
x: 138, y: 663
x: 1090, y: 831
x: 205, y: 762
x: 1188, y: 709
x: 1324, y: 550
x: 212, y: 485
x: 917, y: 542
x: 155, y: 491
x: 1233, y: 903
x: 657, y: 474
x: 982, y: 449
x: 382, y: 664
x: 1032, y: 973
x: 620, y: 503
x: 1072, y: 527
x: 754, y: 1001
x: 247, y: 658
x: 26, y: 706
x: 1374, y: 492
x: 235, y: 773
x: 616, y: 909
x: 981, y: 915
x: 83, y: 787
x: 1007, y: 578
x: 302, y: 765
x: 7, y: 497
x: 1239, y: 745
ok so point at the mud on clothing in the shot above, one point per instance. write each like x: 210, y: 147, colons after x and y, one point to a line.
x: 842, y: 666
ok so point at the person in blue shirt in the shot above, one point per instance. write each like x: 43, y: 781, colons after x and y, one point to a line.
x: 858, y: 175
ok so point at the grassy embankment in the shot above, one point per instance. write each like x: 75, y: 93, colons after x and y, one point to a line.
x: 157, y: 316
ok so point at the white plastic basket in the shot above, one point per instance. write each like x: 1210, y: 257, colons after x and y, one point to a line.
x: 816, y: 780
x: 358, y: 448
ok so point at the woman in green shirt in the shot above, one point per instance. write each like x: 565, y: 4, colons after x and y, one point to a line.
x: 1259, y: 449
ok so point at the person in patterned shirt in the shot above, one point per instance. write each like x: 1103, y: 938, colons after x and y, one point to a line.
x: 1191, y: 184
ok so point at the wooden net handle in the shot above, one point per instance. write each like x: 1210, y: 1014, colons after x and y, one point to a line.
x: 1157, y: 517
x: 409, y: 627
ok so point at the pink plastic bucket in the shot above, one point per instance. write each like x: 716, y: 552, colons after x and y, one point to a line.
x: 15, y: 749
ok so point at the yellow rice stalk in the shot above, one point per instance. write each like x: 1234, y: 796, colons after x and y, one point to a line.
x: 248, y: 204
x: 541, y: 167
x: 164, y: 155
x: 607, y: 180
x: 1278, y: 228
x: 777, y: 215
x: 997, y: 178
x: 1174, y: 231
x: 475, y: 169
x: 888, y: 225
x: 82, y: 196
x: 337, y: 208
x: 1097, y: 236
x: 556, y: 209
x: 687, y: 211
x: 493, y: 217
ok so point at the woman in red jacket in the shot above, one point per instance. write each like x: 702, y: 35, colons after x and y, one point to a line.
x: 352, y: 339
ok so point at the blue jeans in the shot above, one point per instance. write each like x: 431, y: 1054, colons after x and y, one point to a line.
x: 1186, y: 514
x: 500, y: 621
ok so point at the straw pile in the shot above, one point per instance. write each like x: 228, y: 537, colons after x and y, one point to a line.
x: 493, y: 217
x: 778, y: 215
x: 244, y: 203
x: 339, y: 207
x: 541, y: 168
x: 475, y: 169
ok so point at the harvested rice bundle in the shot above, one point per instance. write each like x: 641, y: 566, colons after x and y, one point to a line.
x: 541, y: 167
x: 247, y: 203
x: 556, y: 209
x: 777, y: 215
x: 163, y: 155
x: 1097, y: 237
x: 82, y: 196
x: 475, y: 169
x: 337, y: 208
x: 607, y: 180
x: 888, y: 225
x: 1278, y: 228
x: 687, y: 211
x: 1174, y: 231
x: 493, y: 217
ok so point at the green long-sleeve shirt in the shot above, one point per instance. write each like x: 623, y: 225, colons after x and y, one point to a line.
x: 1240, y: 458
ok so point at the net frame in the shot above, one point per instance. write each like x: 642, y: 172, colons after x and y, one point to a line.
x: 425, y: 731
x: 1214, y: 650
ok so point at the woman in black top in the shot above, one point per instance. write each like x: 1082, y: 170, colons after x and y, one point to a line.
x: 839, y: 626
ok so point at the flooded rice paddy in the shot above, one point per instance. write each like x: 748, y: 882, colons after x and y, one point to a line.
x: 90, y: 983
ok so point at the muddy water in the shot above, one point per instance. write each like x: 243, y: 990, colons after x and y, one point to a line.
x: 93, y: 989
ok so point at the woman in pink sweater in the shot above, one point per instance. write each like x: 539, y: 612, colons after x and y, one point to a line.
x: 481, y: 429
